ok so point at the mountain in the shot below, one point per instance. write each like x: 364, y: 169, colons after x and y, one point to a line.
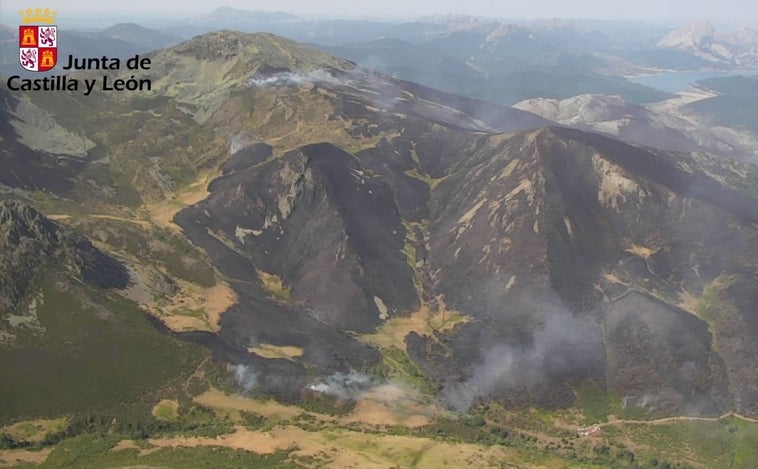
x: 665, y: 125
x: 148, y: 39
x: 733, y: 106
x: 494, y: 61
x: 63, y: 320
x: 30, y: 237
x: 8, y: 44
x: 378, y: 256
x: 738, y: 85
x: 696, y: 37
x: 26, y: 166
x: 702, y: 40
x: 326, y: 31
x: 561, y: 278
x: 296, y: 95
x: 553, y: 203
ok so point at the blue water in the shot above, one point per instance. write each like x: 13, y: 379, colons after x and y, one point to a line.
x: 674, y: 82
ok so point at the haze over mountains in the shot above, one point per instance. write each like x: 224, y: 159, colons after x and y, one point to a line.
x: 369, y: 217
x: 703, y: 41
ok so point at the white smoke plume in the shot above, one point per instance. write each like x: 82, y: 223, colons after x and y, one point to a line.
x: 292, y: 78
x: 237, y: 143
x: 343, y: 385
x: 562, y: 346
x: 245, y: 376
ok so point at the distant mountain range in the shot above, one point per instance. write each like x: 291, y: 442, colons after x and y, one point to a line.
x: 702, y: 40
x: 494, y: 60
x: 664, y: 125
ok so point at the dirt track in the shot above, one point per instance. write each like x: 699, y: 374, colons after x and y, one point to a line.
x: 678, y: 419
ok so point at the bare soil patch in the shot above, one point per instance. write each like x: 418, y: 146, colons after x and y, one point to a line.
x: 12, y: 457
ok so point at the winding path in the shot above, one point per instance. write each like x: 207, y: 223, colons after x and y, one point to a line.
x: 677, y: 419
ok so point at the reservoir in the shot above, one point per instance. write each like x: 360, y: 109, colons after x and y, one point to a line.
x: 674, y: 82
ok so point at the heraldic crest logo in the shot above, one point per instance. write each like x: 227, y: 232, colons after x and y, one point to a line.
x: 38, y: 39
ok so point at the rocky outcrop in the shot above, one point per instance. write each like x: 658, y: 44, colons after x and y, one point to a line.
x: 30, y: 243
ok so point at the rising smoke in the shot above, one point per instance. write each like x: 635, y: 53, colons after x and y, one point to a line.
x: 562, y: 347
x: 245, y: 376
x: 237, y: 143
x: 292, y: 78
x: 379, y: 90
x: 343, y: 385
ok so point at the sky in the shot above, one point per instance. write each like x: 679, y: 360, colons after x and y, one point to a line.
x: 718, y: 10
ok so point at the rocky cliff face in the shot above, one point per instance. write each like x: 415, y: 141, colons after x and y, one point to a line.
x: 30, y: 243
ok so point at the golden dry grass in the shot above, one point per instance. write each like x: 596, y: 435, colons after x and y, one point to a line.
x: 288, y: 352
x: 390, y: 405
x: 194, y: 308
x: 274, y: 285
x: 613, y: 278
x: 430, y: 317
x: 340, y: 448
x: 641, y: 251
x: 383, y: 405
x: 217, y: 399
x: 240, y: 438
x: 162, y: 213
x: 124, y: 445
x: 287, y: 127
x: 13, y: 457
x: 382, y: 414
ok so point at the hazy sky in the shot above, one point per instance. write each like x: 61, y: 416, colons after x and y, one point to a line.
x: 740, y: 10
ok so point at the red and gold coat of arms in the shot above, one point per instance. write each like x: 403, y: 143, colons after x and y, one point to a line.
x: 38, y: 43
